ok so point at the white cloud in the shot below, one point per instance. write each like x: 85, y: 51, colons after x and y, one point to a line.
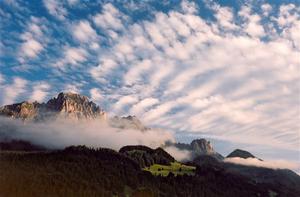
x: 104, y: 68
x: 83, y: 32
x: 266, y: 8
x: 110, y: 18
x: 56, y: 8
x: 31, y: 48
x: 288, y: 15
x: 12, y: 91
x: 123, y: 103
x: 188, y: 7
x: 72, y: 56
x: 33, y: 40
x: 205, y: 80
x: 253, y: 25
x: 72, y: 2
x: 96, y: 94
x: 40, y: 91
x: 61, y: 133
x: 275, y: 164
x: 140, y: 108
x: 75, y: 55
x: 134, y: 74
x: 179, y: 155
x: 74, y: 88
x: 225, y: 17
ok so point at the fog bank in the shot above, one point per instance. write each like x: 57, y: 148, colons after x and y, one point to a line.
x: 274, y: 164
x: 94, y: 133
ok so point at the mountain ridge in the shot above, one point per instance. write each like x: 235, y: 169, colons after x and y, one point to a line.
x: 65, y: 105
x: 68, y: 105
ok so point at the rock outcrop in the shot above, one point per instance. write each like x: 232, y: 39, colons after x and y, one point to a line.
x: 68, y: 105
x: 75, y: 106
x: 202, y: 146
x: 24, y: 110
x: 197, y: 148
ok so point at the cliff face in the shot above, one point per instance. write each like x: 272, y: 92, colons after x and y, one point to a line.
x: 67, y: 105
x: 202, y: 146
x: 70, y: 106
x: 198, y: 147
x: 75, y: 106
x: 25, y: 110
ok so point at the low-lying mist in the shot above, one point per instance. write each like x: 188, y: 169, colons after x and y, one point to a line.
x: 179, y: 155
x: 60, y: 133
x: 274, y: 164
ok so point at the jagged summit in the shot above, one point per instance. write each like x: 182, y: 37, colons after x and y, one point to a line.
x: 198, y: 147
x: 69, y: 105
x: 74, y: 105
x: 23, y: 110
x: 202, y: 146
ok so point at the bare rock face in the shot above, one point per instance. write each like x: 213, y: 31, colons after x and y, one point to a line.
x: 202, y: 146
x: 75, y: 106
x: 198, y: 147
x: 24, y: 110
x: 71, y: 106
x: 67, y: 105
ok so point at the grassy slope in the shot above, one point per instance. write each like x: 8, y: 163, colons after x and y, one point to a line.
x: 176, y: 168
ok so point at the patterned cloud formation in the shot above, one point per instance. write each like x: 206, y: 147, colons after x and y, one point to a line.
x: 230, y: 72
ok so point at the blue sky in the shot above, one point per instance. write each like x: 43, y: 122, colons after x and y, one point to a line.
x: 227, y: 70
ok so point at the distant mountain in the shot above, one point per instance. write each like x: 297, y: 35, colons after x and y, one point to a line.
x: 198, y: 147
x: 241, y: 154
x: 65, y: 105
x: 146, y: 156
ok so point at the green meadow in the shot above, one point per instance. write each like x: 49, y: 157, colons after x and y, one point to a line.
x: 176, y: 168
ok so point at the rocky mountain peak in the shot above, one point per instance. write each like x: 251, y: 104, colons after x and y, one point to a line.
x: 23, y: 110
x: 74, y: 105
x: 202, y: 146
x: 69, y: 105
